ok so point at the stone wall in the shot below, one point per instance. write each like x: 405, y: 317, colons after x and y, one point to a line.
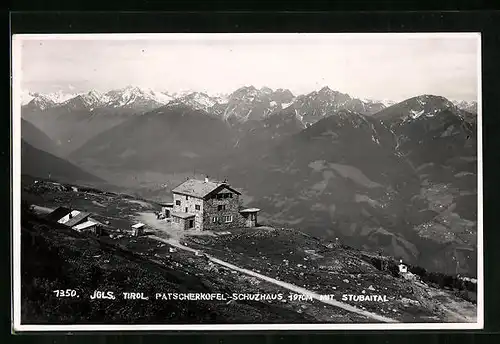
x: 182, y: 224
x: 250, y: 219
x: 233, y: 206
x: 190, y: 203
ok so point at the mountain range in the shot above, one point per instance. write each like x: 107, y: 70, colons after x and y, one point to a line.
x: 70, y: 120
x: 400, y: 178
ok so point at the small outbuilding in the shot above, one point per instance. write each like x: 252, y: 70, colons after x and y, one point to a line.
x: 138, y: 229
x: 166, y: 209
x: 250, y: 216
x: 88, y: 226
x: 182, y: 221
x: 402, y: 267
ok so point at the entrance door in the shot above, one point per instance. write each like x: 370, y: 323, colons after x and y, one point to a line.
x: 191, y: 223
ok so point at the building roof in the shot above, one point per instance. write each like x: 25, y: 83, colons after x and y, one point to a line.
x: 200, y: 188
x: 182, y: 215
x: 138, y: 225
x: 166, y: 204
x: 57, y: 213
x: 250, y: 210
x: 84, y: 225
x: 67, y: 217
x: 80, y: 217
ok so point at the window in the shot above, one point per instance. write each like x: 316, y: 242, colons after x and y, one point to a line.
x: 221, y: 207
x: 219, y: 196
x: 197, y: 207
x: 177, y: 202
x: 187, y: 198
x: 214, y: 219
x: 186, y: 209
x: 228, y: 218
x: 230, y: 195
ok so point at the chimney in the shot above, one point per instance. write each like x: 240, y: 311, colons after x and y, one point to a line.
x: 206, y: 179
x: 70, y: 215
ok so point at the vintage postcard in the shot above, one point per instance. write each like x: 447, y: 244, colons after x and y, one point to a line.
x: 247, y: 181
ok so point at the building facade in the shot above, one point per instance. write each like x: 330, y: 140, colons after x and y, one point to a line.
x: 209, y: 205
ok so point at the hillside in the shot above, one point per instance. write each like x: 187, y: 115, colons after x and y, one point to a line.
x: 337, y: 178
x: 37, y: 138
x: 439, y: 141
x: 172, y: 138
x: 71, y: 125
x: 37, y: 163
x: 59, y: 256
x: 117, y: 262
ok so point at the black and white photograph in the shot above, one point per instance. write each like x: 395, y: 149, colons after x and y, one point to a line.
x: 247, y: 181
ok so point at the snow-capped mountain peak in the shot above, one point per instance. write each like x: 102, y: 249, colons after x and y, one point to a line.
x: 266, y: 90
x: 384, y: 102
x: 221, y: 98
x: 423, y: 106
x: 59, y: 97
x: 327, y: 91
x: 46, y: 100
x: 197, y: 100
x: 41, y: 101
x: 92, y: 98
x: 133, y: 96
x: 427, y: 105
x: 470, y: 106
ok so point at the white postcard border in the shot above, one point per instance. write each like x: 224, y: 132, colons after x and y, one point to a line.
x: 16, y: 92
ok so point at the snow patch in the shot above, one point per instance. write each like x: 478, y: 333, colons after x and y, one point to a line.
x: 374, y: 139
x: 60, y: 97
x: 416, y: 114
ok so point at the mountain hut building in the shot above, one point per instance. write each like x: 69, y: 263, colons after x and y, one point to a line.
x: 209, y: 205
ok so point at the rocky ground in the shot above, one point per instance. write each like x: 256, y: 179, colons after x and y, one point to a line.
x: 330, y: 268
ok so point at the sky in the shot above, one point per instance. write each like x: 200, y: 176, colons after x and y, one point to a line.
x: 375, y: 66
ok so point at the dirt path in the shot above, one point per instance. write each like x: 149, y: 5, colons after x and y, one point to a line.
x: 289, y: 286
x: 141, y: 203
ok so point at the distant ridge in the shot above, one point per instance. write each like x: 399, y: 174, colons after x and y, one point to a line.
x: 37, y: 163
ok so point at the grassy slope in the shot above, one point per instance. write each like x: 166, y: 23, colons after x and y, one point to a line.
x: 58, y: 258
